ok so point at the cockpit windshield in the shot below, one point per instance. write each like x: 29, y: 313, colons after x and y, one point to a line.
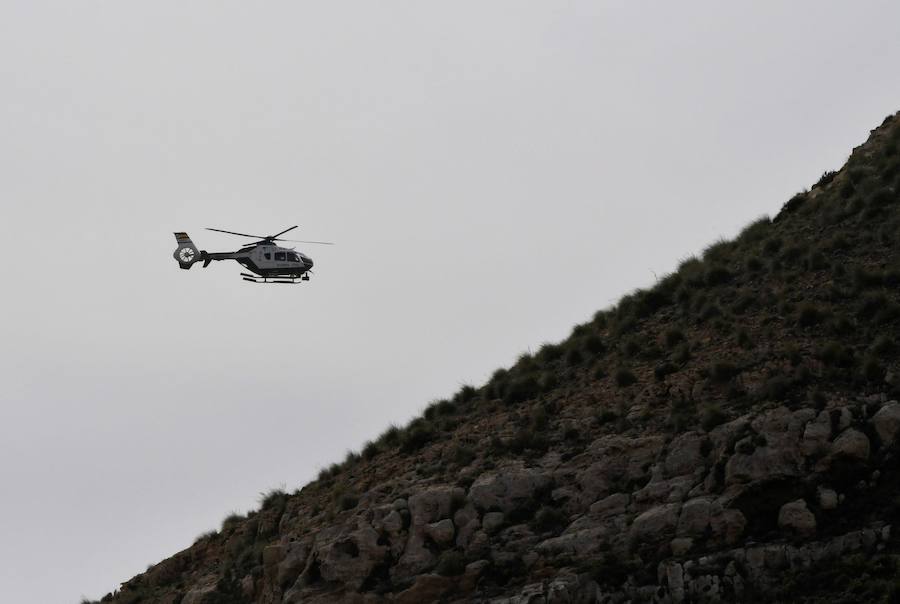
x: 293, y: 257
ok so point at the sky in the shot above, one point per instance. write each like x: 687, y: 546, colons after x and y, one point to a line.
x: 493, y: 173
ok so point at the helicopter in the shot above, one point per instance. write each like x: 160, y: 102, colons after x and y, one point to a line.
x: 268, y: 262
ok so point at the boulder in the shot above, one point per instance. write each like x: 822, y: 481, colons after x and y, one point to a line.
x: 426, y: 588
x: 887, y: 423
x: 816, y: 435
x: 435, y: 503
x: 348, y: 557
x: 508, y: 490
x: 684, y: 456
x: 852, y: 444
x: 656, y: 523
x: 492, y: 522
x: 828, y: 498
x: 694, y: 518
x: 441, y: 532
x: 795, y: 518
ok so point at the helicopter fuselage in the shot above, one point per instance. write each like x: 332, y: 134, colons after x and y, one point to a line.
x: 266, y: 260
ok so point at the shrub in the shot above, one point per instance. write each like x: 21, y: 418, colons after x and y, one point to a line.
x: 882, y: 197
x: 466, y: 394
x: 599, y: 372
x: 463, y: 455
x: 718, y: 275
x: 390, y: 437
x: 864, y: 278
x: 370, y: 450
x: 711, y: 417
x: 836, y: 355
x: 809, y: 315
x: 347, y: 501
x: 624, y: 377
x: 674, y: 336
x: 594, y: 344
x: 794, y: 203
x: 872, y: 370
x: 755, y: 231
x: 772, y: 245
x: 754, y: 264
x: 416, y: 436
x: 231, y: 521
x: 883, y: 345
x: 273, y: 498
x: 663, y: 369
x: 522, y: 389
x: 451, y: 563
x: 549, y: 519
x: 723, y: 371
x: 826, y: 178
x: 549, y: 353
x: 574, y: 357
x: 744, y: 340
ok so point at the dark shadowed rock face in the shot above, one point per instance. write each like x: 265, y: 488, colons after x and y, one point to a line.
x: 730, y: 435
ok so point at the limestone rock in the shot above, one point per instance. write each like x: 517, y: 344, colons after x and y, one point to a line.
x: 435, y: 503
x: 685, y: 455
x: 492, y: 522
x: 694, y: 518
x: 887, y: 422
x: 441, y: 532
x: 796, y: 518
x: 508, y: 490
x: 852, y: 444
x: 828, y: 498
x: 656, y: 523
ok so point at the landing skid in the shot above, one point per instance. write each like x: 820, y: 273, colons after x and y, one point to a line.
x: 259, y: 279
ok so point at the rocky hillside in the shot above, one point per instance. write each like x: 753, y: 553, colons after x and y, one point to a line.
x: 729, y: 435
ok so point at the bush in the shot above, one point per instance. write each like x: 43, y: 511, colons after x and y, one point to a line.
x: 872, y: 370
x: 663, y: 369
x: 549, y: 519
x: 370, y: 450
x: 549, y: 353
x: 711, y: 417
x: 772, y: 246
x: 522, y: 389
x: 347, y: 501
x: 723, y: 371
x: 390, y: 437
x: 809, y: 315
x: 273, y: 498
x: 624, y: 377
x: 574, y: 357
x: 463, y: 455
x: 674, y: 336
x: 451, y: 564
x: 744, y: 340
x: 836, y: 354
x: 794, y: 203
x: 594, y: 344
x: 416, y: 436
x: 231, y: 521
x: 466, y: 394
x: 718, y: 275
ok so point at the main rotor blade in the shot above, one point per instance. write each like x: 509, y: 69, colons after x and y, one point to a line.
x: 282, y: 232
x: 233, y: 233
x: 298, y: 241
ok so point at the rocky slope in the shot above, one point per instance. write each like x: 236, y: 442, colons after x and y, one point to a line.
x: 729, y: 435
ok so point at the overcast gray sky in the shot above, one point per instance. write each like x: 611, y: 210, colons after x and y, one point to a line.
x: 493, y: 172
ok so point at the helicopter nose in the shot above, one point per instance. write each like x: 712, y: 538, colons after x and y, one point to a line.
x: 308, y: 262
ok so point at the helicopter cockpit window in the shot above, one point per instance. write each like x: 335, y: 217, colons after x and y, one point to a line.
x: 293, y: 257
x: 279, y: 256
